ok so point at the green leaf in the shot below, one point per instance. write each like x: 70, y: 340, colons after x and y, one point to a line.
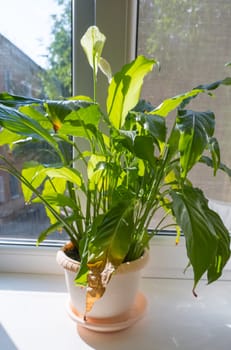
x: 82, y: 123
x: 59, y: 110
x: 57, y: 226
x: 33, y: 173
x: 144, y: 148
x: 34, y: 113
x: 50, y: 190
x: 124, y: 90
x: 15, y: 100
x: 126, y: 138
x: 112, y: 238
x: 69, y: 174
x: 9, y: 138
x: 205, y: 243
x: 195, y: 130
x: 223, y: 249
x: 21, y: 124
x: 52, y: 228
x: 171, y: 104
x: 209, y: 162
x: 214, y: 149
x: 156, y: 126
x: 57, y: 199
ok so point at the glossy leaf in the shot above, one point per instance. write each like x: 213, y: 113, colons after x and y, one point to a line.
x: 15, y: 100
x: 171, y: 104
x: 205, y: 243
x: 53, y: 187
x: 156, y: 126
x: 223, y: 250
x: 196, y: 128
x: 9, y: 138
x: 144, y: 148
x: 33, y: 173
x: 124, y: 90
x: 214, y: 149
x: 21, y: 124
x: 69, y: 174
x: 82, y: 123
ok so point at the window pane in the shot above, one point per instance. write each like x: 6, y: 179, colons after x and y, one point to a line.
x: 35, y: 60
x: 191, y: 40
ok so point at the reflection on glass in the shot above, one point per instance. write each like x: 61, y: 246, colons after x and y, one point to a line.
x: 35, y: 61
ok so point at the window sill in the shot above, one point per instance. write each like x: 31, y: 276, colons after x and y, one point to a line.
x: 33, y: 316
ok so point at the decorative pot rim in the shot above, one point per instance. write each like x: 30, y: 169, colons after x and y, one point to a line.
x: 73, y: 265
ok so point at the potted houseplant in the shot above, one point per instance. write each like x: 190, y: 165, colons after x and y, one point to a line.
x: 105, y: 195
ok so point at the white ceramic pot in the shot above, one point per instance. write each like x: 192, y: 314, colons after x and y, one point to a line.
x: 120, y: 293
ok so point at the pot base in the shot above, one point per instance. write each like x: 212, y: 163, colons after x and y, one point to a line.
x: 111, y: 324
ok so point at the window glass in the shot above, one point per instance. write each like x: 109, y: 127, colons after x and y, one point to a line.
x: 191, y: 40
x: 35, y: 61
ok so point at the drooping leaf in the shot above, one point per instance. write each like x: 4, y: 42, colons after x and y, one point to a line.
x: 223, y: 249
x: 107, y: 249
x: 214, y: 149
x: 205, y: 243
x: 209, y: 162
x: 57, y: 226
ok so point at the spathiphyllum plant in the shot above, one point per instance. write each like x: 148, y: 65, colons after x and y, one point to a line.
x: 104, y: 195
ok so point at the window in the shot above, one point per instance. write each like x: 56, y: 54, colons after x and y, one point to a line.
x: 187, y: 37
x: 35, y: 60
x: 191, y: 41
x: 42, y: 77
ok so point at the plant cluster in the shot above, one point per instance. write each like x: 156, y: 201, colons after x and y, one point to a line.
x: 129, y: 167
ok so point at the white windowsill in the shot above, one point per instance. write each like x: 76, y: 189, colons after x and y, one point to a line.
x: 33, y: 316
x: 33, y: 301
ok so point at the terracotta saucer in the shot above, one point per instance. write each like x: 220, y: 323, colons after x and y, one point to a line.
x: 111, y: 324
